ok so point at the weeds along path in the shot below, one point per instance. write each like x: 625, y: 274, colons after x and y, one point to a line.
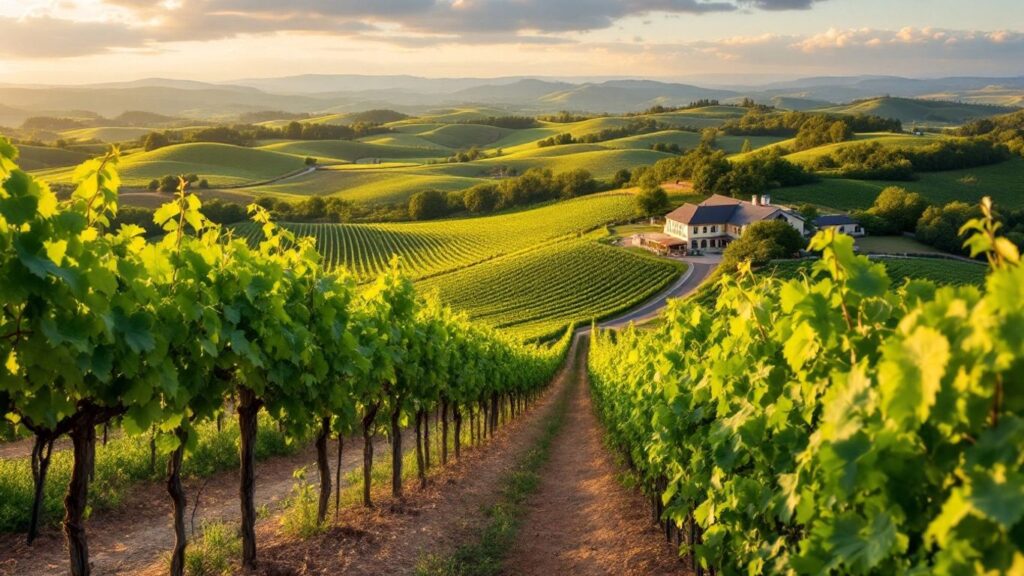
x: 134, y: 537
x: 582, y: 520
x: 396, y: 537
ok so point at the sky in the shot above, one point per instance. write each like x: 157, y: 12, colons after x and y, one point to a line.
x: 87, y: 41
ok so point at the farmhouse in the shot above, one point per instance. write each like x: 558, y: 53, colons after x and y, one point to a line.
x: 717, y: 221
x: 841, y: 223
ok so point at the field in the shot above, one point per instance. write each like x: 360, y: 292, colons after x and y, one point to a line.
x: 220, y: 164
x: 109, y: 134
x: 933, y: 112
x: 530, y: 273
x: 938, y: 270
x: 431, y: 248
x: 43, y: 157
x: 535, y: 294
x: 1003, y: 182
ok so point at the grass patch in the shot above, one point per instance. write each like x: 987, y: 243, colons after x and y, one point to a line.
x: 484, y: 557
x: 213, y: 552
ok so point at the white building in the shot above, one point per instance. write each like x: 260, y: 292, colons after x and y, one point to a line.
x: 841, y: 223
x: 714, y: 223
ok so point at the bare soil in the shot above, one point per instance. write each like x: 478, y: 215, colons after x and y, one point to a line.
x: 395, y: 536
x: 135, y: 537
x: 582, y: 520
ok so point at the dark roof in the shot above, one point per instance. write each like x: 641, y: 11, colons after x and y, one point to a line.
x: 720, y: 209
x: 834, y: 220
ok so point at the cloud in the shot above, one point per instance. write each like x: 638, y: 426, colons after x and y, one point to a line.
x: 47, y: 37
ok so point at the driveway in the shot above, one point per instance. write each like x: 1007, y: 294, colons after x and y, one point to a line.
x: 700, y: 268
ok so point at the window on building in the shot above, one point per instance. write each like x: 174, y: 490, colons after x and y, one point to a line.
x: 714, y: 229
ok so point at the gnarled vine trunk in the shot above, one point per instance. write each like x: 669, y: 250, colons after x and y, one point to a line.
x: 248, y: 412
x: 83, y: 439
x: 368, y: 418
x: 396, y: 449
x: 42, y: 450
x: 444, y: 432
x: 324, y: 467
x: 421, y: 472
x: 458, y: 430
x: 177, y: 494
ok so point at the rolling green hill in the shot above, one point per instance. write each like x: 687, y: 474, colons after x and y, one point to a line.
x: 327, y: 151
x: 371, y: 185
x: 44, y: 157
x: 221, y: 164
x: 907, y: 110
x: 112, y: 134
x: 1002, y: 182
x: 883, y: 138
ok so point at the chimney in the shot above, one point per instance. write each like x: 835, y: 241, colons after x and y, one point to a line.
x: 755, y: 200
x: 766, y: 200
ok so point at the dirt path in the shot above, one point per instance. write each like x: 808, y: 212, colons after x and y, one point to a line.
x: 582, y: 521
x: 395, y: 536
x: 135, y: 536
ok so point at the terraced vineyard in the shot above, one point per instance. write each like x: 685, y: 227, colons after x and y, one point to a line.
x: 535, y: 294
x: 431, y: 248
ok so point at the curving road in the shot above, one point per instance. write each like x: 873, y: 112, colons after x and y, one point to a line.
x: 699, y: 269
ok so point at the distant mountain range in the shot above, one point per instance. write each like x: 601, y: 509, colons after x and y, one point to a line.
x: 336, y: 93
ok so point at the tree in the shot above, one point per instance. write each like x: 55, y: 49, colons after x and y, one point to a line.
x: 574, y: 183
x: 169, y: 183
x: 481, y: 198
x: 293, y: 131
x: 155, y: 140
x: 310, y: 161
x: 898, y: 208
x: 810, y: 213
x: 940, y: 226
x: 154, y: 185
x: 621, y: 178
x: 651, y: 201
x: 428, y: 205
x: 746, y: 146
x: 762, y: 242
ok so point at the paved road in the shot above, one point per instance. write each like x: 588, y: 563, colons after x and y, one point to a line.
x: 699, y: 270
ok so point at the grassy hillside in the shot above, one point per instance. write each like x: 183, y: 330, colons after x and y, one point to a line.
x: 221, y: 164
x: 537, y: 293
x: 906, y: 110
x: 883, y: 138
x: 1003, y: 182
x: 371, y: 185
x: 459, y: 136
x: 44, y: 157
x: 110, y: 134
x: 431, y: 248
x: 327, y: 151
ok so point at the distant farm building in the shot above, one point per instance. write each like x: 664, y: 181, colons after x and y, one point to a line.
x: 714, y: 223
x: 840, y: 223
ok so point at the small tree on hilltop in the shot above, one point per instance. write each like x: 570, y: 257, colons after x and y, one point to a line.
x: 651, y: 201
x: 155, y: 140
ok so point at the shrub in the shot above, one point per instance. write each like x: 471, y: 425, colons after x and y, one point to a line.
x: 898, y: 208
x: 651, y: 201
x: 428, y: 205
x: 762, y: 242
x: 940, y: 226
x: 300, y: 514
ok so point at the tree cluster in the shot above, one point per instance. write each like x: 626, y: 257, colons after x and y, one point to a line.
x: 875, y: 161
